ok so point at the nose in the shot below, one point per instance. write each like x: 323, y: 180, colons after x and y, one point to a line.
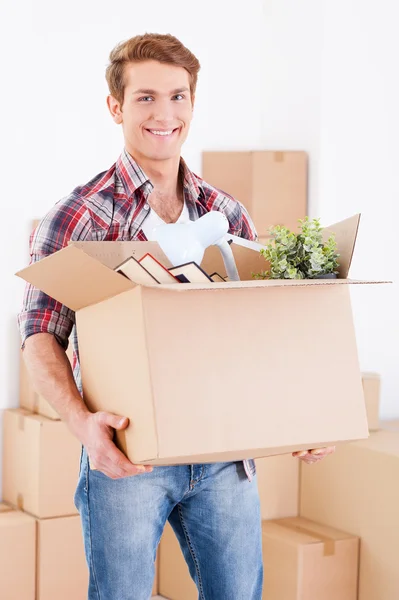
x: 164, y: 111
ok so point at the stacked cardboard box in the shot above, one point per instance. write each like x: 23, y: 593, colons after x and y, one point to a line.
x: 306, y: 560
x: 17, y: 554
x: 273, y: 186
x: 357, y: 489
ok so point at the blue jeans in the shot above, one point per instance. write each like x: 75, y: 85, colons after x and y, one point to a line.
x: 213, y: 509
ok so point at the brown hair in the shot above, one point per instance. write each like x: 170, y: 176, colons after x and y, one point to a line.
x: 150, y: 46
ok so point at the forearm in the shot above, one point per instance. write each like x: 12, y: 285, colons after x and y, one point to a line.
x: 51, y: 375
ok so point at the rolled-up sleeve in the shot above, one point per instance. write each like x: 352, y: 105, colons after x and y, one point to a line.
x: 40, y: 313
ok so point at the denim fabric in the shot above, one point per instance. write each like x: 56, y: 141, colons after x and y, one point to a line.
x: 213, y: 509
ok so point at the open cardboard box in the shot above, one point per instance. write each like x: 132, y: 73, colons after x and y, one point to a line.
x: 218, y: 371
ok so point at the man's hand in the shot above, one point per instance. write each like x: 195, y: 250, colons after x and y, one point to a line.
x: 313, y: 456
x: 96, y: 432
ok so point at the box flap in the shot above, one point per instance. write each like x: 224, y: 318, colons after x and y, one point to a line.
x: 345, y: 236
x: 112, y: 254
x: 74, y: 278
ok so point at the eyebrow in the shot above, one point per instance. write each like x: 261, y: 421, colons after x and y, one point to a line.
x: 154, y: 92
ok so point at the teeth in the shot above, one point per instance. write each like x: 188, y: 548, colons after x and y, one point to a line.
x: 161, y: 132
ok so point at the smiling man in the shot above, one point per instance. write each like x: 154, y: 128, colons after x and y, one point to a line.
x: 213, y: 508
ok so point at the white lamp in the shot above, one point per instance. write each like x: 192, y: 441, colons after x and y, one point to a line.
x: 186, y: 242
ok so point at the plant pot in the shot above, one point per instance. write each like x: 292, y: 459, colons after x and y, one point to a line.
x: 327, y: 276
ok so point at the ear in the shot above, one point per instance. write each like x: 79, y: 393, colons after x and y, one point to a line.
x: 115, y: 109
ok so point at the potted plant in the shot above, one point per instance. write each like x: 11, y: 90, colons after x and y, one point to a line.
x: 301, y: 255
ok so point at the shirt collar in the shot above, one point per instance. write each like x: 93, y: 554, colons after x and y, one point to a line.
x: 133, y: 177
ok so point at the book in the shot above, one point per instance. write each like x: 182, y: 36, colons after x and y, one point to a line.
x: 157, y: 269
x: 216, y: 277
x: 190, y: 273
x: 133, y: 270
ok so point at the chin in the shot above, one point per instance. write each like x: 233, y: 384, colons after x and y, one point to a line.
x: 162, y: 155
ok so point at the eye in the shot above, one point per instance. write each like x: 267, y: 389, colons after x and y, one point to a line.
x: 144, y: 98
x: 181, y: 96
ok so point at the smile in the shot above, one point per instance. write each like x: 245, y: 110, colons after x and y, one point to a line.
x: 162, y: 133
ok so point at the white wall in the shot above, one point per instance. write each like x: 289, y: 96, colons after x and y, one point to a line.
x: 359, y: 158
x: 268, y: 80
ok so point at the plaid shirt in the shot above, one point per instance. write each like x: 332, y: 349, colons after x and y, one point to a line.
x: 112, y: 206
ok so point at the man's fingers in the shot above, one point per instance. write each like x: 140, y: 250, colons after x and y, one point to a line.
x: 115, y: 421
x: 300, y: 453
x: 323, y: 451
x: 112, y: 461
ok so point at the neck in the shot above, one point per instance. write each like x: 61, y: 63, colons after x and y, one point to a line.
x: 163, y: 174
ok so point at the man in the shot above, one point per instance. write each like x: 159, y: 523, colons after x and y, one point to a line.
x: 213, y: 508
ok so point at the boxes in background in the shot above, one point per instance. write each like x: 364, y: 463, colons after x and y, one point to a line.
x: 306, y: 560
x: 273, y: 186
x: 175, y: 582
x: 212, y: 424
x: 371, y: 387
x: 278, y: 484
x: 17, y: 554
x: 40, y: 464
x: 357, y: 489
x: 62, y: 572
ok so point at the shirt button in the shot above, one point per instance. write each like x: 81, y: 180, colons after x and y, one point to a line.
x: 146, y: 206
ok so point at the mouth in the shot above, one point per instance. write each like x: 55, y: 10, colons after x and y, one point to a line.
x: 161, y: 134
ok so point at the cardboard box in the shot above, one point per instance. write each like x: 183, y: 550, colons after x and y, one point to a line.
x: 357, y: 489
x: 278, y: 485
x: 40, y: 464
x: 175, y: 581
x: 371, y: 387
x: 61, y: 564
x: 17, y: 555
x: 273, y: 186
x: 304, y: 560
x: 183, y: 410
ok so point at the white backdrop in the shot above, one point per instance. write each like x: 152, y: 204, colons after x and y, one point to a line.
x: 276, y: 74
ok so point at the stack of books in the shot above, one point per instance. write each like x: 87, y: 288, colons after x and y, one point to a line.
x: 149, y: 271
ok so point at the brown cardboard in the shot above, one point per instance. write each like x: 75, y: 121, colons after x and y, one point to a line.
x: 304, y: 560
x: 17, y: 555
x: 175, y: 582
x: 62, y: 572
x: 40, y: 464
x: 272, y: 185
x: 357, y: 489
x: 152, y: 330
x: 278, y: 485
x: 371, y: 387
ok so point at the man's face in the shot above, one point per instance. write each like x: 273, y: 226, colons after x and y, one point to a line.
x: 157, y: 99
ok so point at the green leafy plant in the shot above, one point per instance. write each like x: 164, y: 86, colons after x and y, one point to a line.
x: 299, y: 255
